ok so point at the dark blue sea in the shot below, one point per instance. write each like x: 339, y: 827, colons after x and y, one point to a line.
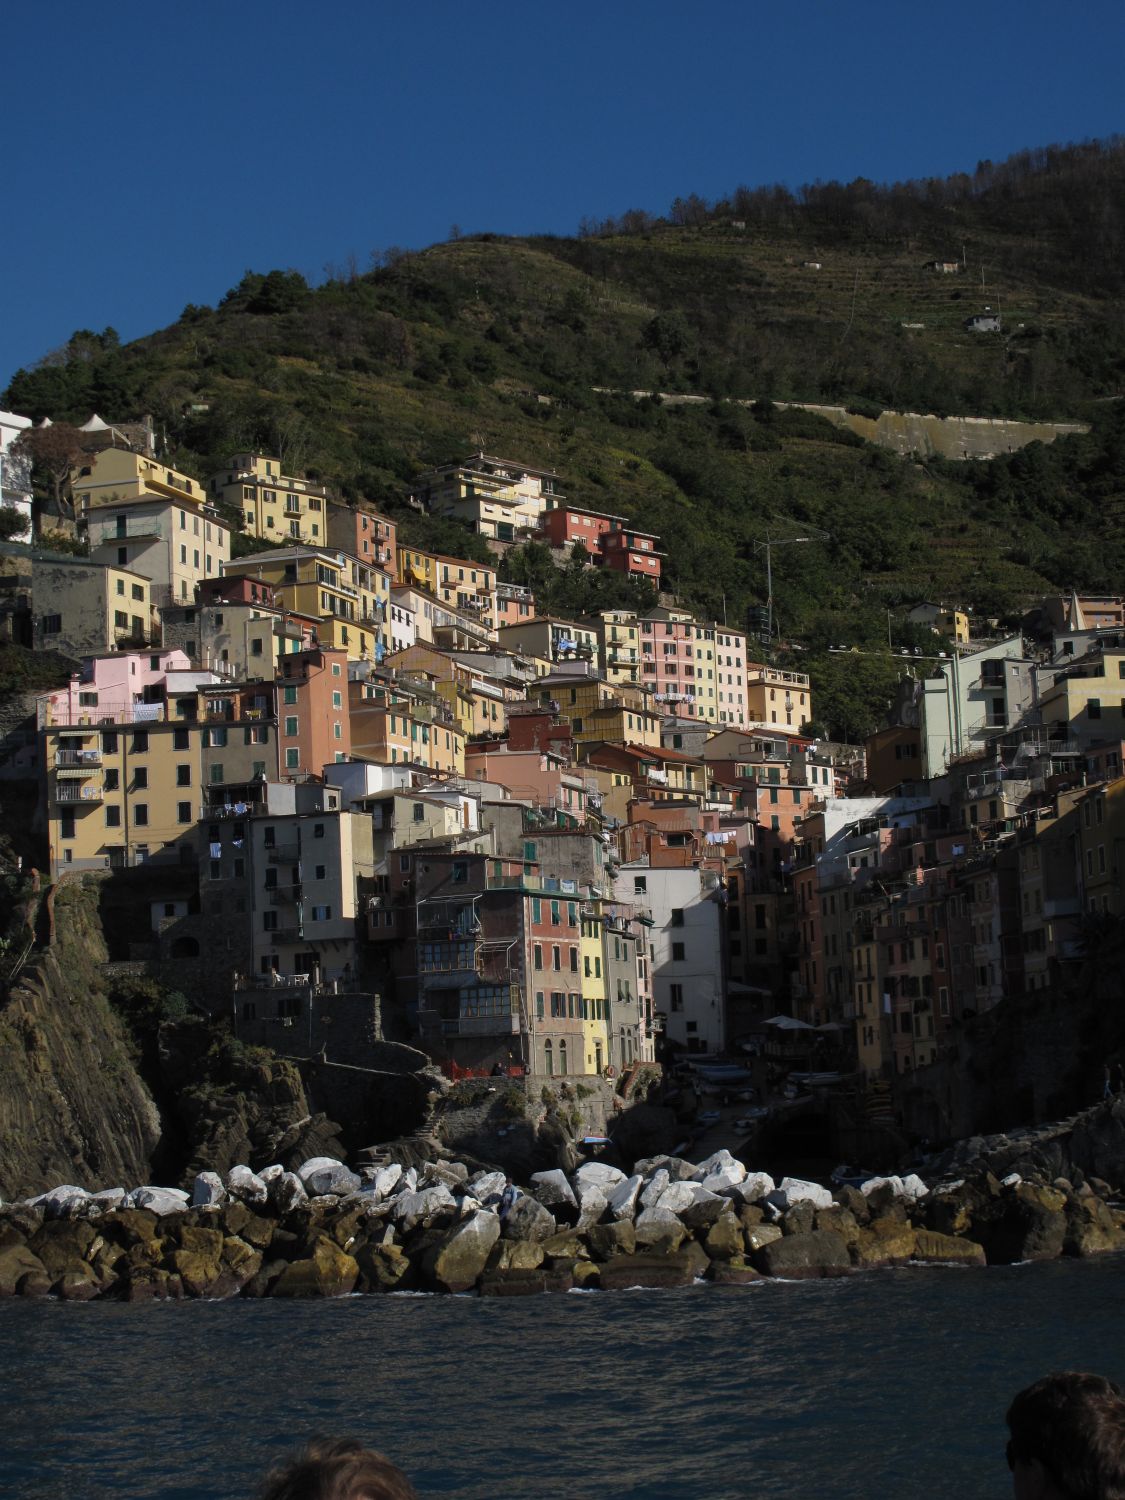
x: 893, y: 1384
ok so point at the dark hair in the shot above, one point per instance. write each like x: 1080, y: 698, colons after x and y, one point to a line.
x: 337, y: 1469
x: 1073, y: 1423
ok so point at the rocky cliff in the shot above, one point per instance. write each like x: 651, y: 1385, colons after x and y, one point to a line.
x: 72, y: 1104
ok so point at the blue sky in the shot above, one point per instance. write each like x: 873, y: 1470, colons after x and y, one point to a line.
x: 153, y: 153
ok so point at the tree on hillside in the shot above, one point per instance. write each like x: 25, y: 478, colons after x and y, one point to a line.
x: 52, y: 451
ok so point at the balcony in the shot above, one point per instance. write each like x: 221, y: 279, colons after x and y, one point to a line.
x: 69, y: 792
x: 132, y: 531
x: 284, y: 854
x: 481, y: 1026
x: 283, y: 936
x: 78, y: 762
x: 285, y: 895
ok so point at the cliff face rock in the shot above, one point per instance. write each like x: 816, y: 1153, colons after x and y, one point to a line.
x: 72, y: 1106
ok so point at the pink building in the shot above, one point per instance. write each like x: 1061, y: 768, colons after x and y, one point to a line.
x: 668, y: 661
x: 529, y: 775
x: 115, y: 686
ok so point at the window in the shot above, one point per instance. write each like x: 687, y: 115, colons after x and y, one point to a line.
x: 179, y: 739
x: 677, y: 953
x: 140, y: 814
x: 289, y: 695
x: 292, y: 760
x: 140, y: 777
x: 640, y: 885
x: 1094, y: 708
x: 140, y: 742
x: 113, y: 817
x: 676, y: 996
x: 216, y: 773
x: 183, y: 812
x: 460, y: 871
x: 291, y: 724
x: 537, y: 955
x: 574, y: 960
x: 322, y: 914
x: 183, y: 776
x: 419, y: 812
x: 677, y: 919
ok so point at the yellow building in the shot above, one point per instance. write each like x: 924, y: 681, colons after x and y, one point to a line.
x: 273, y: 505
x: 462, y: 585
x: 1102, y: 833
x: 400, y: 724
x: 476, y: 700
x: 138, y: 514
x: 130, y: 787
x: 597, y: 710
x: 83, y: 607
x: 349, y: 599
x: 118, y: 476
x: 595, y: 1002
x: 619, y: 643
x: 777, y: 698
x: 1087, y: 702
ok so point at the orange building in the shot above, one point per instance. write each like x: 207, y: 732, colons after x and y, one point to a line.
x: 313, y: 725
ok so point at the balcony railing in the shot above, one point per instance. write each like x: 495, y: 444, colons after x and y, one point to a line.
x: 83, y: 761
x: 284, y: 854
x: 73, y: 791
x: 284, y: 935
x: 285, y: 895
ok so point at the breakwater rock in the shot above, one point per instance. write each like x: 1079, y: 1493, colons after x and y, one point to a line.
x: 327, y: 1230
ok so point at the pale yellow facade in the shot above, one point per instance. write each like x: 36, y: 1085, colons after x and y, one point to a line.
x: 119, y: 476
x: 499, y: 498
x: 83, y: 607
x: 777, y: 698
x: 595, y: 1003
x: 271, y: 504
x: 350, y: 600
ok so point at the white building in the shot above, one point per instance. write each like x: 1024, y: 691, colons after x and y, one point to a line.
x: 685, y: 950
x: 15, y: 471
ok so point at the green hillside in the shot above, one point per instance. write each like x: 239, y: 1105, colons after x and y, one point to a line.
x: 500, y: 343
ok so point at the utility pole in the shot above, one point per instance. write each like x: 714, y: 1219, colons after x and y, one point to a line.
x: 767, y: 546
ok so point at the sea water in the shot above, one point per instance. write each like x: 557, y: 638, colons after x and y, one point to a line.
x: 892, y: 1383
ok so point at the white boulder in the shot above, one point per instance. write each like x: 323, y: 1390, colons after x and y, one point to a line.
x: 598, y: 1174
x: 487, y: 1185
x: 720, y: 1162
x: 797, y: 1190
x: 208, y: 1189
x: 65, y: 1202
x: 623, y: 1199
x: 387, y: 1178
x: 246, y: 1186
x: 415, y: 1207
x: 286, y: 1192
x: 650, y: 1194
x: 159, y: 1201
x: 334, y: 1181
x: 592, y: 1203
x: 755, y: 1185
x: 553, y: 1190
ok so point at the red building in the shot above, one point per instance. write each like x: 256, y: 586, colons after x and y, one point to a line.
x: 627, y: 550
x: 608, y: 539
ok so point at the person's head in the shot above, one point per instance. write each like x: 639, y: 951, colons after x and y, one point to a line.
x: 337, y: 1469
x: 1068, y: 1439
